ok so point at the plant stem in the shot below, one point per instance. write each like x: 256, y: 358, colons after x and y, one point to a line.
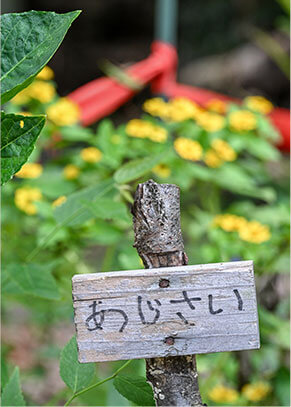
x: 108, y: 257
x: 98, y: 383
x: 51, y: 235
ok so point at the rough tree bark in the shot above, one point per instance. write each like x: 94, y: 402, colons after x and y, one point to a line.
x: 159, y: 242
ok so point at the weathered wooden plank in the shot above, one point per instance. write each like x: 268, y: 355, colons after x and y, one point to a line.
x: 165, y: 312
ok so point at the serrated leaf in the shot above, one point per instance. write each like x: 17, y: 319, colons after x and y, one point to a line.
x: 76, y: 375
x: 106, y: 208
x: 135, y: 389
x: 12, y: 394
x: 34, y: 279
x: 29, y: 40
x: 19, y: 134
x: 74, y: 211
x: 136, y: 168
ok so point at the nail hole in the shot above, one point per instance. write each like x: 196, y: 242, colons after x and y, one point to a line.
x: 164, y: 283
x: 169, y: 341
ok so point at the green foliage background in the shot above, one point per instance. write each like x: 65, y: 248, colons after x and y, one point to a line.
x: 92, y: 231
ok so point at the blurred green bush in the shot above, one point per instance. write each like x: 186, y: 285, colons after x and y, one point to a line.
x: 67, y: 211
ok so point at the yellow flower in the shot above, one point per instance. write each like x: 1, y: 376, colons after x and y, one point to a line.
x: 212, y: 159
x: 157, y: 107
x: 223, y: 150
x: 255, y: 232
x: 210, y: 121
x: 71, y: 171
x: 21, y: 98
x: 21, y: 124
x: 64, y: 112
x: 188, y: 149
x: 158, y: 134
x: 24, y: 199
x: 42, y: 91
x: 142, y: 129
x: 30, y: 170
x: 46, y: 74
x: 230, y: 223
x: 217, y: 106
x: 249, y: 231
x: 259, y: 104
x: 91, y: 154
x: 242, y: 120
x: 59, y: 201
x: 256, y: 391
x: 221, y: 394
x: 162, y: 170
x: 182, y: 109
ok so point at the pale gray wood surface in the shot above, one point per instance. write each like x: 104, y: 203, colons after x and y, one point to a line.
x: 117, y: 293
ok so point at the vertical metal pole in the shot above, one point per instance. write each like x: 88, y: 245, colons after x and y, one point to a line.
x: 166, y: 14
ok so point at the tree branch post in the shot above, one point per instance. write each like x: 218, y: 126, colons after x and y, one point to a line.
x: 159, y: 242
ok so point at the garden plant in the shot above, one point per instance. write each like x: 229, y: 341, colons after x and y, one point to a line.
x: 66, y: 210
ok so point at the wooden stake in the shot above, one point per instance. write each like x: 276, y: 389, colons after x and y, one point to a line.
x: 159, y: 242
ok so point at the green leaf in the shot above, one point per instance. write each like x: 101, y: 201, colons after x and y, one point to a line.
x: 136, y: 168
x: 236, y: 179
x: 135, y: 389
x: 34, y: 279
x: 106, y: 208
x: 19, y: 134
x: 29, y: 40
x: 262, y: 149
x: 4, y: 373
x: 77, y: 376
x: 282, y: 386
x: 74, y: 211
x: 12, y: 394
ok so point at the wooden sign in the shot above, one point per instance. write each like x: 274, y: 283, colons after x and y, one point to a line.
x: 166, y: 311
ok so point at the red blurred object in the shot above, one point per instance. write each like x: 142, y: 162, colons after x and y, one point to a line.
x: 103, y: 96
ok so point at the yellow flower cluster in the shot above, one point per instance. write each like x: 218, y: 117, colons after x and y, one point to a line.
x: 63, y: 113
x: 242, y: 120
x: 71, y: 171
x: 210, y: 121
x: 39, y: 90
x: 177, y: 109
x: 217, y: 106
x: 249, y: 231
x: 59, y: 201
x: 46, y: 74
x: 143, y: 129
x: 259, y: 104
x: 30, y: 170
x: 188, y: 149
x: 221, y: 151
x: 91, y: 155
x: 25, y: 198
x: 212, y: 160
x: 162, y: 170
x: 221, y: 394
x: 255, y: 232
x: 257, y: 391
x: 224, y: 150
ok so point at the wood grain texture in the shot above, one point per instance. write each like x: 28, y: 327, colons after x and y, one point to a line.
x: 193, y: 331
x: 159, y: 242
